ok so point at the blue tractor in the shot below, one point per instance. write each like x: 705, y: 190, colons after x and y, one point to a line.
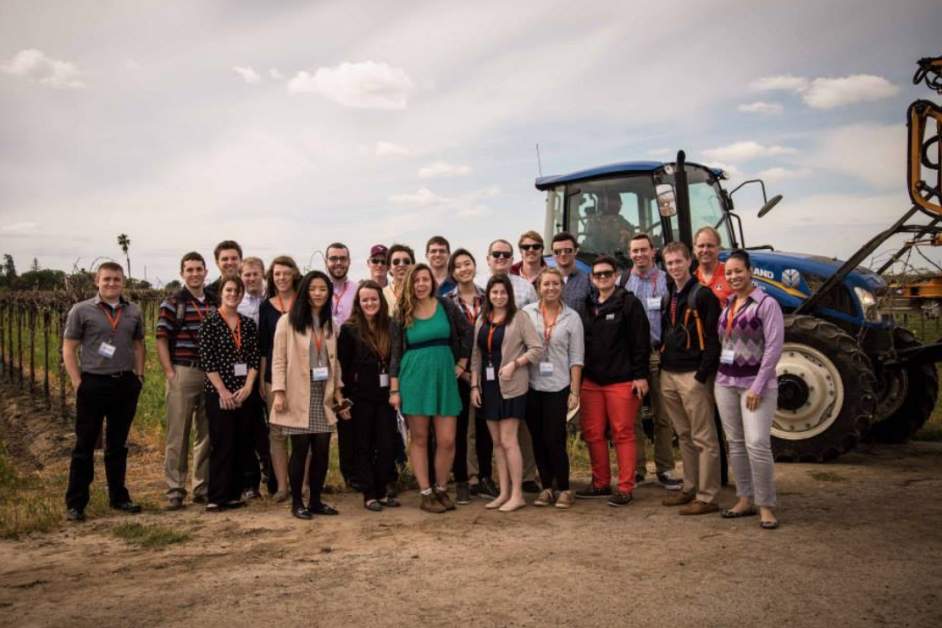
x: 847, y: 371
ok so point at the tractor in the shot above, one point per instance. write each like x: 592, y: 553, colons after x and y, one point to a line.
x: 848, y: 371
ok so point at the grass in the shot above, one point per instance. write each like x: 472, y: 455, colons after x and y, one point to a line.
x: 826, y: 476
x: 149, y: 535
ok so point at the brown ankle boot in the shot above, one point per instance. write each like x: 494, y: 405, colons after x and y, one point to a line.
x: 444, y: 499
x: 430, y: 503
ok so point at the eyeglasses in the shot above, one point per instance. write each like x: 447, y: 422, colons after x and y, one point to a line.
x: 500, y: 254
x: 337, y: 258
x: 603, y: 274
x: 531, y: 247
x: 378, y: 261
x: 402, y: 261
x: 438, y: 251
x: 565, y: 251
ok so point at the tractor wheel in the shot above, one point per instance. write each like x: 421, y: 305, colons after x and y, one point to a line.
x: 908, y: 397
x: 826, y: 397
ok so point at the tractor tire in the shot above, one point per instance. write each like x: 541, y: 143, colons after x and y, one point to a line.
x: 911, y: 395
x: 827, y: 396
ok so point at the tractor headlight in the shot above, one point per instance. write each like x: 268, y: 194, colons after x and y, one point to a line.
x: 868, y: 305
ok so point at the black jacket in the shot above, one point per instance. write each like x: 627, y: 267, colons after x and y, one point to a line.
x: 460, y: 342
x: 617, y: 339
x: 360, y: 367
x: 680, y: 338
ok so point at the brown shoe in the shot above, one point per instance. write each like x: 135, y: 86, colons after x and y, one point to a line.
x: 431, y: 504
x: 442, y: 496
x: 698, y: 507
x: 678, y: 499
x: 546, y: 498
x: 565, y: 500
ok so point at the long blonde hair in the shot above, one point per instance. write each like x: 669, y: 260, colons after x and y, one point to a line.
x: 405, y: 306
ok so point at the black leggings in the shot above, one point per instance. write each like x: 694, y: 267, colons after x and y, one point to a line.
x: 374, y: 425
x: 546, y: 420
x: 319, y: 446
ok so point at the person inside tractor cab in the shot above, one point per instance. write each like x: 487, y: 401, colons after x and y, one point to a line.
x: 607, y: 231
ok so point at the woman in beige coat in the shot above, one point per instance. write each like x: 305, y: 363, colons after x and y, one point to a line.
x: 306, y: 384
x: 504, y: 346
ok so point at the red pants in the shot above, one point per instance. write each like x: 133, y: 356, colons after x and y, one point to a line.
x: 611, y: 406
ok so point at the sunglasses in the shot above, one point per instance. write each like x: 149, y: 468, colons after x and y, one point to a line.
x: 402, y: 261
x: 337, y: 258
x: 603, y: 274
x: 378, y: 261
x: 501, y: 254
x: 531, y: 247
x: 565, y: 251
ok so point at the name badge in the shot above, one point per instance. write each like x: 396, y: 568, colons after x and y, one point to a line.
x: 489, y: 373
x: 728, y: 356
x: 319, y: 374
x: 384, y: 380
x: 610, y: 317
x: 654, y: 304
x: 546, y: 368
x: 106, y: 350
x: 241, y: 370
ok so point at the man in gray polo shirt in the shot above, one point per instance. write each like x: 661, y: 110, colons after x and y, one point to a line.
x: 103, y: 351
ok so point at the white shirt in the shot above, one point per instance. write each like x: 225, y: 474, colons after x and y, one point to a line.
x: 250, y: 304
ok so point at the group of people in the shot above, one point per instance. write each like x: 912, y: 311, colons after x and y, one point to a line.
x: 479, y: 374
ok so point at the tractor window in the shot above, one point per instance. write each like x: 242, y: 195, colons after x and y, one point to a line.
x: 706, y: 209
x: 605, y: 214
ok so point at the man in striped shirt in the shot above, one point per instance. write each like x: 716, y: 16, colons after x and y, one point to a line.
x: 178, y: 350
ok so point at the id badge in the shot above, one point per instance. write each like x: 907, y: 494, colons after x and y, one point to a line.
x: 241, y: 370
x: 654, y: 304
x: 489, y: 373
x: 106, y: 350
x: 546, y: 368
x: 384, y: 380
x: 319, y: 374
x: 728, y: 356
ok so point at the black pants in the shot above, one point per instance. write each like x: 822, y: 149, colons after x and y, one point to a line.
x: 319, y: 446
x: 228, y: 443
x: 346, y: 446
x: 546, y: 420
x: 257, y: 463
x: 460, y: 468
x: 374, y: 426
x: 483, y: 446
x: 100, y: 397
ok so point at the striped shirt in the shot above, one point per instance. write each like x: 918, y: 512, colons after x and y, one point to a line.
x: 183, y: 336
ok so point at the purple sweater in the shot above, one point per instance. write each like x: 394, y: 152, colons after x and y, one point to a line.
x: 757, y: 336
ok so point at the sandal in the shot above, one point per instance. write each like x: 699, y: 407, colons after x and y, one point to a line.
x: 768, y: 525
x: 732, y: 514
x: 373, y: 506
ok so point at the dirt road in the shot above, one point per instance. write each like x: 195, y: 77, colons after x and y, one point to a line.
x: 859, y: 546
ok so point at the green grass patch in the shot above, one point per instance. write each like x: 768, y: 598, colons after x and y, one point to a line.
x: 826, y: 476
x: 149, y: 535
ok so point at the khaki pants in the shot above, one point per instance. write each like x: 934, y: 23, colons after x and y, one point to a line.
x: 184, y: 401
x: 689, y: 404
x: 663, y: 433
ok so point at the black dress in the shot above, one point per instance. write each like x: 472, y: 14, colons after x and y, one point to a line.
x: 494, y: 406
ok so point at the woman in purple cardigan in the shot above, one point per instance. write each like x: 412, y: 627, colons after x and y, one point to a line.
x: 752, y: 332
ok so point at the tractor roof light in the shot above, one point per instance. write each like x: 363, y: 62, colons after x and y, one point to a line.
x: 669, y: 170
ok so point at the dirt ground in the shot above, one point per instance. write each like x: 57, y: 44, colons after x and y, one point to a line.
x: 859, y: 546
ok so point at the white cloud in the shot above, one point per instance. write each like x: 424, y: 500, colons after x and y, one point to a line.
x: 20, y: 227
x: 763, y: 108
x: 275, y: 74
x: 828, y: 93
x: 659, y: 152
x: 424, y: 197
x: 746, y: 151
x: 249, y: 75
x: 475, y: 211
x: 872, y: 153
x: 384, y: 149
x: 36, y: 66
x: 367, y: 85
x: 781, y: 82
x: 779, y: 174
x: 443, y: 169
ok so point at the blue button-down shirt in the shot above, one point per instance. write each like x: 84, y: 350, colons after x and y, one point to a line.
x: 649, y: 288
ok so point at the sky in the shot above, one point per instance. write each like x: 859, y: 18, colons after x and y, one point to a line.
x: 289, y: 125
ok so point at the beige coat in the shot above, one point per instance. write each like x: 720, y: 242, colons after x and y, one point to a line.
x: 520, y: 339
x: 291, y: 373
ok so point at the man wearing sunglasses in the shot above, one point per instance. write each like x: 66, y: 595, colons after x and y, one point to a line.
x: 531, y: 250
x: 376, y: 263
x: 577, y: 288
x: 437, y: 252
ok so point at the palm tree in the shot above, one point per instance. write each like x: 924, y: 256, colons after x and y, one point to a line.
x: 125, y: 242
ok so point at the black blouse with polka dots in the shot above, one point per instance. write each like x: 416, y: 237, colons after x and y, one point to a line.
x: 219, y: 353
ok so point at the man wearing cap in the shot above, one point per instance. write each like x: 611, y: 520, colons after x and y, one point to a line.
x: 376, y: 263
x: 109, y: 333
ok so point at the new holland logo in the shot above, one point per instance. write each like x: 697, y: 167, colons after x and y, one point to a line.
x: 791, y: 278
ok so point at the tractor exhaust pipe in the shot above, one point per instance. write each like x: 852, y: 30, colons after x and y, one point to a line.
x: 683, y: 201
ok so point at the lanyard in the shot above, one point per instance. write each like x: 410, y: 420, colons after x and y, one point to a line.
x: 237, y: 332
x: 318, y: 340
x: 198, y: 311
x: 112, y: 320
x: 281, y: 305
x: 548, y: 327
x: 490, y: 333
x: 338, y: 297
x: 653, y: 282
x: 732, y: 315
x: 472, y: 316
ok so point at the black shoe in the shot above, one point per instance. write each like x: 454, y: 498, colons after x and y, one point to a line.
x: 323, y: 509
x: 373, y: 506
x: 593, y: 493
x: 669, y: 481
x: 76, y: 515
x: 487, y: 489
x: 128, y: 507
x: 473, y: 489
x: 620, y: 499
x: 390, y: 502
x: 251, y: 493
x: 200, y: 499
x: 462, y: 493
x: 301, y: 513
x: 234, y: 504
x: 392, y: 489
x: 531, y: 487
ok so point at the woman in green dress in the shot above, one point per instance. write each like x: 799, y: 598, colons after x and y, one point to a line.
x: 431, y: 345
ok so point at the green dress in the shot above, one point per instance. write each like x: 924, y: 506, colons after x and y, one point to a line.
x: 427, y: 383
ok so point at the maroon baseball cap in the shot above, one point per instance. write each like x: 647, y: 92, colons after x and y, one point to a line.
x: 378, y: 250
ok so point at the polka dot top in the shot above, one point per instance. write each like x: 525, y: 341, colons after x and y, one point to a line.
x: 219, y: 354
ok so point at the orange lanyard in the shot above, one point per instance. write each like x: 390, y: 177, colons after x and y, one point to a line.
x: 281, y: 305
x: 318, y: 340
x: 472, y: 316
x: 237, y: 332
x: 490, y: 333
x: 549, y: 327
x: 338, y: 297
x: 114, y: 320
x: 198, y: 311
x: 732, y: 315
